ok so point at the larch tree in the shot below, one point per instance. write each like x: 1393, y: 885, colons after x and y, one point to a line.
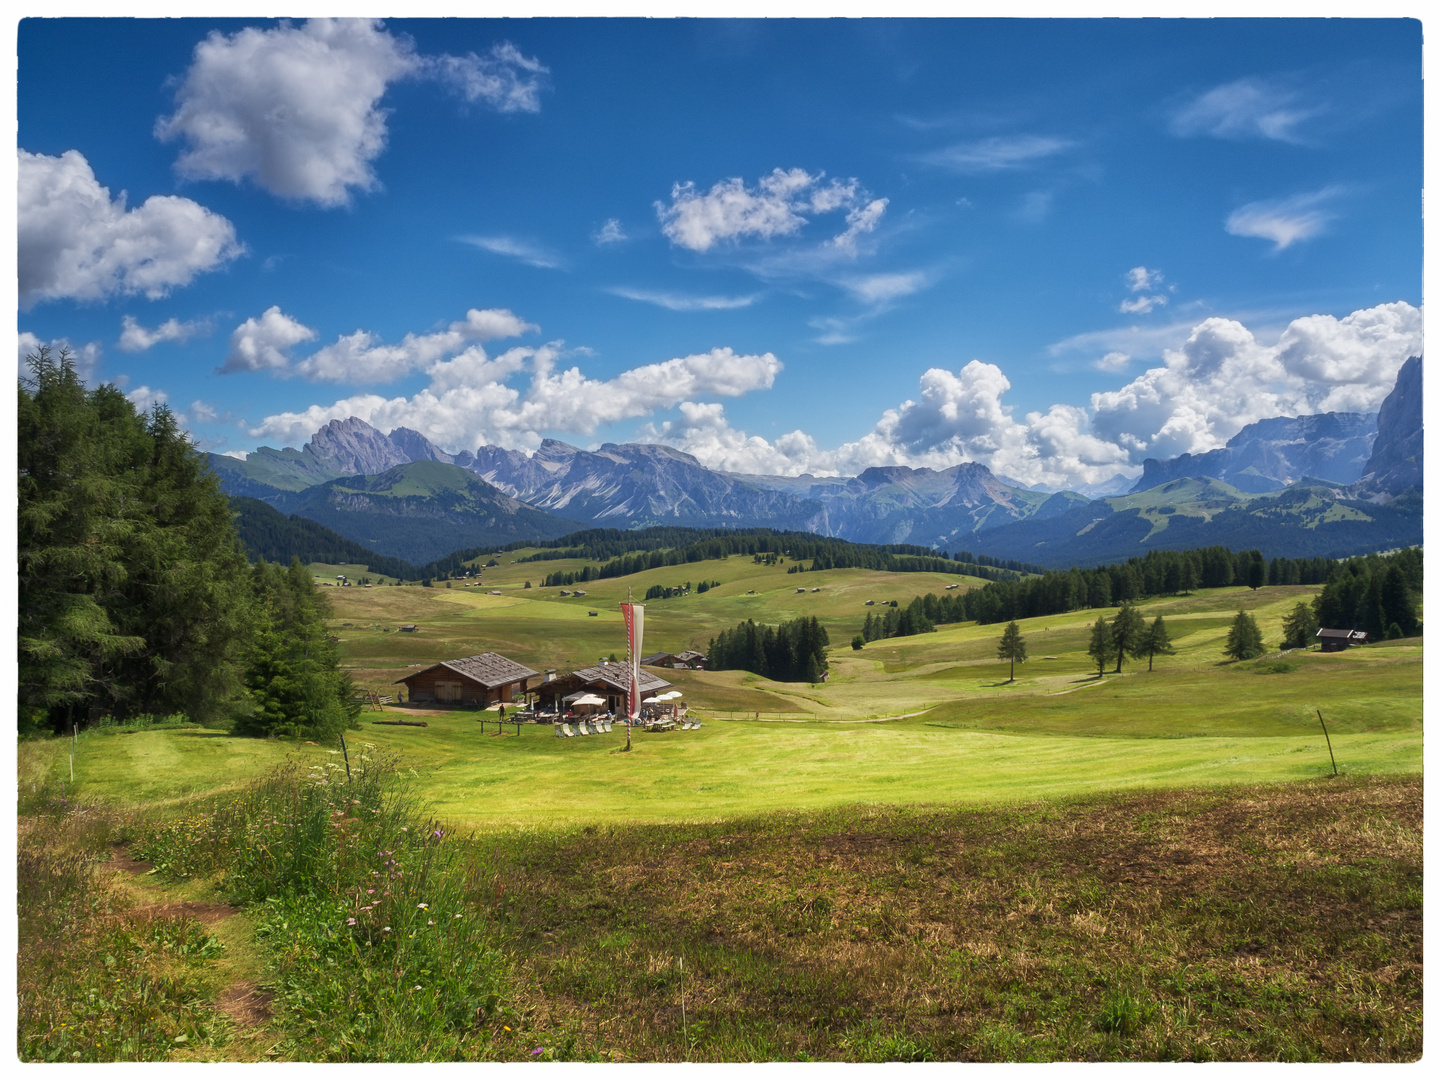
x: 1126, y: 631
x: 1102, y: 645
x: 1155, y: 640
x: 1012, y: 647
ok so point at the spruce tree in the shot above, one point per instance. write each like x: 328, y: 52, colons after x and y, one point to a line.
x: 1243, y: 641
x: 1299, y: 626
x: 1012, y: 647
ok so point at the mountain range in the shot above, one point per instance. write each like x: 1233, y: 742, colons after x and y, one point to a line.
x: 1332, y: 483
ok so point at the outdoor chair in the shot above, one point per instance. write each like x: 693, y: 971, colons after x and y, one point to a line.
x: 607, y: 725
x: 583, y: 729
x: 568, y: 733
x: 558, y: 733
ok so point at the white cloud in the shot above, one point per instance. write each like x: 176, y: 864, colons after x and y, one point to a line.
x: 704, y: 431
x: 998, y: 153
x: 238, y: 455
x: 296, y: 108
x: 882, y: 288
x: 1217, y: 381
x: 1142, y: 280
x: 142, y: 397
x: 469, y: 401
x: 86, y: 358
x: 610, y: 233
x: 526, y: 252
x: 263, y: 344
x: 135, y: 338
x: 506, y: 79
x: 861, y: 220
x: 1113, y: 361
x: 1213, y: 382
x: 75, y: 242
x: 1142, y: 305
x: 1249, y: 108
x: 204, y: 412
x: 677, y: 302
x: 774, y: 207
x: 361, y: 357
x: 1284, y: 221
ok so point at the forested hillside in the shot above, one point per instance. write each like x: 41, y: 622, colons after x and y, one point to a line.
x: 135, y: 594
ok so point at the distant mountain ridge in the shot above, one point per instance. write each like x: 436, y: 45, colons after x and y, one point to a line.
x: 421, y: 511
x: 1321, y: 484
x: 1272, y: 454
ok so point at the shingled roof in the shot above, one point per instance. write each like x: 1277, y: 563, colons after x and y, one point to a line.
x: 617, y: 675
x: 488, y: 669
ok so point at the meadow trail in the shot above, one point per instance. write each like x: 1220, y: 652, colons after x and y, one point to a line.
x: 237, y: 992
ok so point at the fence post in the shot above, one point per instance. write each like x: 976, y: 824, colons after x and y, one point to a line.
x: 74, y: 737
x: 346, y: 751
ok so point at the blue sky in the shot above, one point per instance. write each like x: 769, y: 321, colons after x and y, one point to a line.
x: 1057, y: 247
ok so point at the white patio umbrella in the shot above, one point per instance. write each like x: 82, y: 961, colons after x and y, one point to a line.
x: 588, y: 699
x: 669, y: 696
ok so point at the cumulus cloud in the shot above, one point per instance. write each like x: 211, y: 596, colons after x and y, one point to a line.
x: 263, y: 344
x: 730, y: 211
x: 75, y: 242
x: 136, y: 338
x: 527, y: 252
x: 1250, y: 108
x: 361, y: 357
x: 610, y: 233
x: 1209, y: 387
x: 677, y: 302
x: 505, y: 79
x: 294, y: 108
x: 1141, y: 279
x: 1113, y: 361
x: 998, y: 154
x: 86, y: 357
x: 297, y: 108
x: 1284, y: 221
x: 469, y: 401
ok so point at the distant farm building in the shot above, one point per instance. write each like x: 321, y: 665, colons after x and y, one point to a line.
x: 408, y: 628
x: 474, y: 680
x: 1340, y: 640
x: 683, y: 660
x: 609, y: 681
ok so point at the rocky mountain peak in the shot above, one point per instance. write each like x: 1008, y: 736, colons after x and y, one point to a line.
x: 354, y: 448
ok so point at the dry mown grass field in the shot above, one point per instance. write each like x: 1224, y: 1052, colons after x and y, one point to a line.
x: 1265, y: 923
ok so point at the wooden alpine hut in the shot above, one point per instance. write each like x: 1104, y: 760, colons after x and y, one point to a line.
x: 609, y: 681
x: 481, y: 680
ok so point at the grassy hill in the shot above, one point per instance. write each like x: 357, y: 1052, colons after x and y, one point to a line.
x: 422, y: 511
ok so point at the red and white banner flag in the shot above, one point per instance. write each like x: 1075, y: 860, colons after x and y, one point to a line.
x: 634, y: 632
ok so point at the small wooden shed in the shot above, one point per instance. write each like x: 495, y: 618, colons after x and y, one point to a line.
x: 1340, y: 640
x: 481, y: 680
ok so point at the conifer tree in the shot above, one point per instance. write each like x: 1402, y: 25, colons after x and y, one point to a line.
x: 1126, y: 631
x: 1102, y: 645
x: 1243, y: 641
x: 1012, y: 647
x: 1155, y: 639
x: 1299, y: 626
